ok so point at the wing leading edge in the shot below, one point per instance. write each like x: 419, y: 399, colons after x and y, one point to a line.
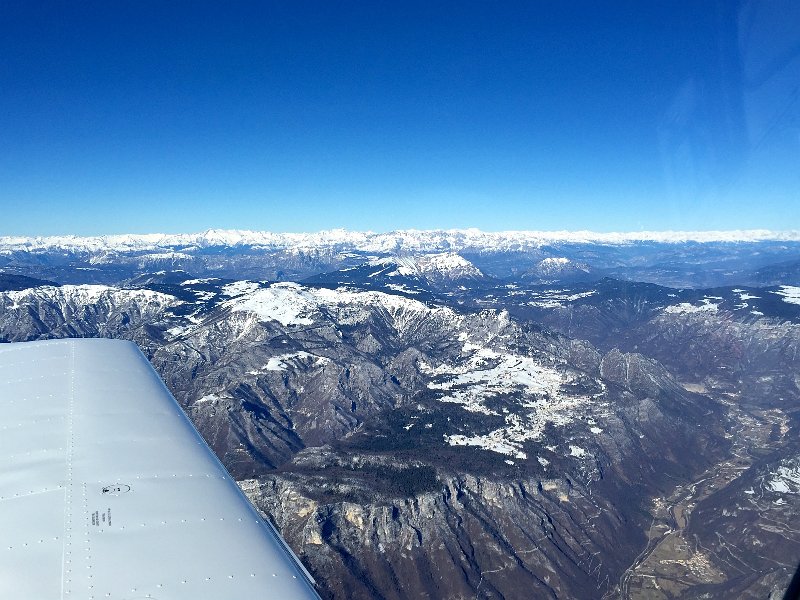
x: 108, y: 491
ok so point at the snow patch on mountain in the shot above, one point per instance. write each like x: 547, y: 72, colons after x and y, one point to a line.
x: 706, y: 306
x: 786, y: 479
x: 239, y: 288
x: 577, y: 451
x: 535, y: 388
x: 556, y: 298
x: 790, y: 293
x: 496, y: 441
x: 207, y: 398
x: 743, y: 296
x: 163, y: 256
x: 285, y: 361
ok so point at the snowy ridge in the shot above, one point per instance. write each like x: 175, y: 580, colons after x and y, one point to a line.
x: 294, y: 304
x: 435, y: 268
x: 404, y: 312
x: 82, y: 295
x: 452, y: 240
x: 285, y: 303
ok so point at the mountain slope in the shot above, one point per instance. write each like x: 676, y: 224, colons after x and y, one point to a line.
x: 456, y: 452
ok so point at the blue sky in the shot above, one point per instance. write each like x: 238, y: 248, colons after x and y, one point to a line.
x: 298, y: 116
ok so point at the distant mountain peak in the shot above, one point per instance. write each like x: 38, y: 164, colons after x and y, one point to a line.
x: 557, y: 265
x: 447, y: 266
x: 437, y: 267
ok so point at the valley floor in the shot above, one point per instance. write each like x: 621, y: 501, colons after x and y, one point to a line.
x: 675, y: 563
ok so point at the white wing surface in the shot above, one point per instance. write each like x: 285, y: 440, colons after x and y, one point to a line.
x: 108, y: 491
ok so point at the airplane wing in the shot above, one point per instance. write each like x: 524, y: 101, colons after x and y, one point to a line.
x: 108, y: 491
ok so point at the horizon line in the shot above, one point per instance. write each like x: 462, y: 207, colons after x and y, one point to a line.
x: 244, y: 237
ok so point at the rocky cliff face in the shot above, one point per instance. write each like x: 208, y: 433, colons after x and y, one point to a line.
x: 468, y: 537
x: 395, y: 529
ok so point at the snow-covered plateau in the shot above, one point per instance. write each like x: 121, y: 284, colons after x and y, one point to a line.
x: 537, y: 389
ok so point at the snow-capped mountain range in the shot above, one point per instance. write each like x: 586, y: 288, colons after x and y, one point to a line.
x: 454, y: 240
x: 422, y: 259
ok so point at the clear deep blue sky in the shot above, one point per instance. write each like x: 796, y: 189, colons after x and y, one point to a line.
x: 144, y: 116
